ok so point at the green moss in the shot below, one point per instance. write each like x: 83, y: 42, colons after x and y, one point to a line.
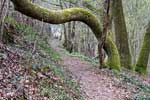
x: 141, y: 69
x: 143, y: 56
x: 113, y: 60
x: 59, y: 16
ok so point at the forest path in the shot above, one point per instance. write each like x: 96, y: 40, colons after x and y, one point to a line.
x: 95, y: 84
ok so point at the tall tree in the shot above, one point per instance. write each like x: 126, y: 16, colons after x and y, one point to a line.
x: 143, y: 56
x: 121, y: 33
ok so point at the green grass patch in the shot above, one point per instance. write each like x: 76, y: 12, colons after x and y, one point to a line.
x: 81, y: 56
x: 49, y: 51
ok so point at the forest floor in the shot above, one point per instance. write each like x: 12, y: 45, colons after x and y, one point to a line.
x: 34, y: 76
x: 29, y: 69
x: 43, y: 70
x: 103, y: 84
x: 47, y: 75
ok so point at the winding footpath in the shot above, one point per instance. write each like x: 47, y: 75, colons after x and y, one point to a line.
x: 95, y: 85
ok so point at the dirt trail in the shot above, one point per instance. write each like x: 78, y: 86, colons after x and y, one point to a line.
x: 94, y: 84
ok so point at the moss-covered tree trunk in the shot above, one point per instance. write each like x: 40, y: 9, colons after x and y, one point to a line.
x: 58, y: 16
x: 111, y: 50
x: 62, y: 16
x: 144, y: 54
x: 121, y: 33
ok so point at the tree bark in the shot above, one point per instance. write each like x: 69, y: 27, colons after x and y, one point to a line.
x: 144, y: 54
x: 121, y: 33
x: 3, y: 14
x: 106, y: 9
x: 111, y: 50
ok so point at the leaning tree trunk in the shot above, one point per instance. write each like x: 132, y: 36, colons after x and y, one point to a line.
x: 121, y: 33
x: 143, y: 56
x: 60, y: 16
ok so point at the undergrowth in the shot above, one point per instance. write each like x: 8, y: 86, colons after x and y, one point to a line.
x: 40, y: 64
x: 93, y: 61
x: 143, y: 89
x: 64, y: 89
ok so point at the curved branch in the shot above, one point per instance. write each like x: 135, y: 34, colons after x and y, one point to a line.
x: 62, y: 16
x: 59, y: 16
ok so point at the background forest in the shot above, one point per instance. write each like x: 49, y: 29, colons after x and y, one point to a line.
x: 25, y: 41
